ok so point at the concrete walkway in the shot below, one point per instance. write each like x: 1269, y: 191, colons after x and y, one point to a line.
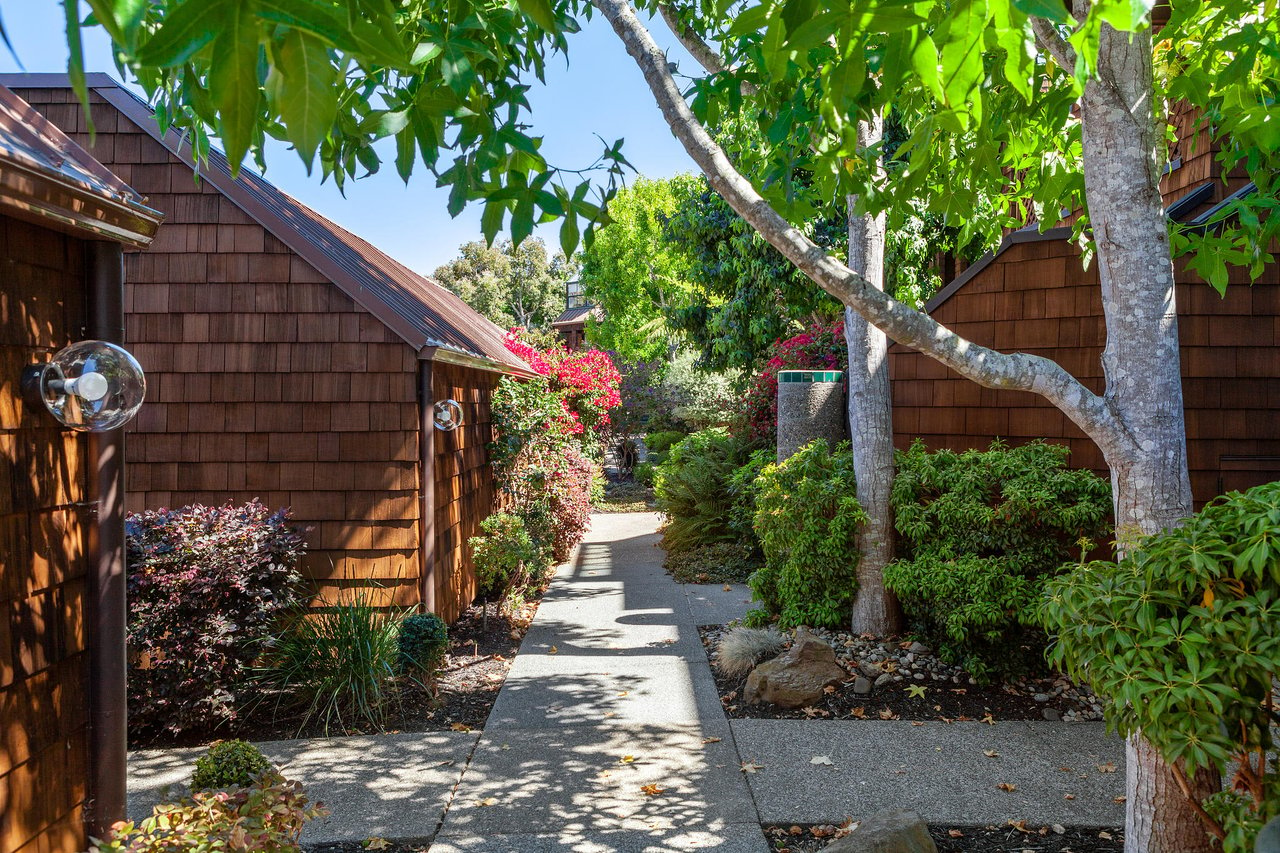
x: 608, y: 735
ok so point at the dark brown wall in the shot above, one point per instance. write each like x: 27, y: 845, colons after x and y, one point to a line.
x: 463, y: 482
x: 43, y: 567
x: 1036, y: 298
x: 264, y: 379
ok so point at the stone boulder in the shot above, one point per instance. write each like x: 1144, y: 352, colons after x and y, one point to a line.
x: 796, y: 677
x: 890, y: 831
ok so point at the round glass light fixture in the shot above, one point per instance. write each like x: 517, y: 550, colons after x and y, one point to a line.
x: 447, y: 415
x: 92, y: 386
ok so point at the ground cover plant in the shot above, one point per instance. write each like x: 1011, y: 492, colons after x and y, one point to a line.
x: 807, y: 519
x: 229, y: 764
x: 1182, y: 639
x: 207, y: 586
x: 981, y: 533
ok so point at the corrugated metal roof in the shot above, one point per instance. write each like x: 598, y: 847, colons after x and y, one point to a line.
x: 424, y: 314
x: 575, y: 315
x: 31, y: 144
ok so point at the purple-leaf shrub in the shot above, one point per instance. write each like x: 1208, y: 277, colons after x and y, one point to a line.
x: 206, y: 585
x: 570, y: 493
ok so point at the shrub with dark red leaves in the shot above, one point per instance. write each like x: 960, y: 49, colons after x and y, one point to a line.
x: 569, y: 489
x: 206, y: 585
x: 821, y: 347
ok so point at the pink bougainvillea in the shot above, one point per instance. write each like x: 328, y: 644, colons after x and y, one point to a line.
x: 821, y: 347
x: 586, y: 380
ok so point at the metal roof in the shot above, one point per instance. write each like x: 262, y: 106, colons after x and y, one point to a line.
x: 428, y: 317
x: 575, y: 315
x: 46, y: 176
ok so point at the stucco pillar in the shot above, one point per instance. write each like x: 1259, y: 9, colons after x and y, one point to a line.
x: 810, y: 405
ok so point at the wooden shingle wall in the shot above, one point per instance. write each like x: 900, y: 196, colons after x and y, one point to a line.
x: 44, y: 747
x: 1035, y: 298
x: 463, y: 482
x: 264, y: 379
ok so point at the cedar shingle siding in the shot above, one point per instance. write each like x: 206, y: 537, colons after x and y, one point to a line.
x: 266, y: 380
x: 44, y: 672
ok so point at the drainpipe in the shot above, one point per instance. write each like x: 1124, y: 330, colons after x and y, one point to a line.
x: 108, y: 697
x: 427, y: 485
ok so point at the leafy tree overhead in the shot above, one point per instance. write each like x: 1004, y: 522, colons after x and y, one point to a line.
x: 633, y: 273
x: 511, y: 285
x: 1040, y: 105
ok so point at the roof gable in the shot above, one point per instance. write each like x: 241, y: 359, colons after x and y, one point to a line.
x: 426, y: 316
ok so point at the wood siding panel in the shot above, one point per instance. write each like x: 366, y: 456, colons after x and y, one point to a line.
x: 1230, y: 366
x: 43, y: 566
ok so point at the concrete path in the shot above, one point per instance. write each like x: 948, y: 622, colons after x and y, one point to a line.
x: 608, y: 734
x: 395, y: 786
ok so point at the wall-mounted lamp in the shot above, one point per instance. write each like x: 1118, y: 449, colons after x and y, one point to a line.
x: 92, y: 386
x: 448, y: 415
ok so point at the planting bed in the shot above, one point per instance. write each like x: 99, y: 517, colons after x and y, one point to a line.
x: 1010, y: 838
x: 949, y: 694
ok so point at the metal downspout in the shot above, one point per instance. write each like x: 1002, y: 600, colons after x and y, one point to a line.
x: 427, y: 485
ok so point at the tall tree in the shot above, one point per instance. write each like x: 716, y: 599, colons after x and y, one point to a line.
x: 1076, y: 130
x: 633, y: 273
x: 511, y: 285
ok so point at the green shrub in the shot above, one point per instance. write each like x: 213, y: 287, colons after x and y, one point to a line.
x: 692, y: 489
x: 661, y: 442
x: 1181, y: 639
x: 981, y: 532
x: 643, y: 473
x: 422, y: 642
x: 807, y: 518
x: 723, y: 562
x: 265, y: 817
x: 336, y: 664
x: 744, y: 485
x: 229, y: 764
x: 505, y: 557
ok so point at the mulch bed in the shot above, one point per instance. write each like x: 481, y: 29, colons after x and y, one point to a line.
x: 919, y: 686
x: 1010, y: 838
x: 477, y: 664
x: 625, y: 496
x: 385, y: 845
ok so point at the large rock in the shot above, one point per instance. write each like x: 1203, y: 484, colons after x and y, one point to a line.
x: 796, y: 677
x: 887, y: 832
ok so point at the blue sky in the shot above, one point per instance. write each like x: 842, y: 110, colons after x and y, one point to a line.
x: 600, y: 92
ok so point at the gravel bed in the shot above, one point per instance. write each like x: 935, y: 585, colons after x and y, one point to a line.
x: 1013, y: 837
x: 902, y: 679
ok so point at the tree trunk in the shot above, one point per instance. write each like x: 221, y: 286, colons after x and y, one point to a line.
x: 1151, y: 488
x: 875, y: 608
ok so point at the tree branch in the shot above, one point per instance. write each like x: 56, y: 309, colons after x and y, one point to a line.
x: 987, y: 367
x: 697, y: 46
x: 1051, y: 42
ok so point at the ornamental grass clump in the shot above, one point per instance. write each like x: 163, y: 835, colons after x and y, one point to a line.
x: 692, y: 489
x: 335, y: 665
x: 981, y: 532
x: 206, y: 587
x: 1181, y: 640
x: 807, y: 519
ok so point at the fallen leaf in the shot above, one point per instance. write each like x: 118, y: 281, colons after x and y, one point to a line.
x: 651, y: 790
x: 1068, y: 796
x: 1109, y: 767
x: 795, y: 830
x: 828, y: 690
x: 376, y: 844
x: 989, y: 720
x: 955, y: 833
x: 460, y: 727
x: 711, y: 740
x: 860, y: 712
x: 494, y: 676
x: 505, y: 746
x: 487, y: 801
x: 990, y: 753
x: 916, y: 723
x: 751, y: 767
x: 553, y: 651
x: 960, y: 690
x: 886, y: 714
x: 916, y: 690
x: 1005, y: 786
x: 1119, y: 799
x: 822, y: 759
x: 623, y: 692
x: 1104, y: 835
x: 728, y: 588
x: 626, y: 759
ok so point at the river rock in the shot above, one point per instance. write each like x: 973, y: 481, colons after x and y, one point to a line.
x: 890, y: 831
x: 796, y: 677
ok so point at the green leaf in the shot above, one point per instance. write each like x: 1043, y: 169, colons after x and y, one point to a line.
x: 75, y: 60
x: 456, y: 70
x: 308, y: 92
x: 233, y: 79
x: 796, y: 12
x: 541, y: 13
x: 962, y: 70
x: 1054, y: 10
x: 569, y: 234
x: 351, y: 34
x: 186, y: 30
x: 522, y: 220
x: 491, y: 220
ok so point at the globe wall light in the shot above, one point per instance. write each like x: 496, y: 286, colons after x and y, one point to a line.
x: 92, y: 386
x: 447, y: 415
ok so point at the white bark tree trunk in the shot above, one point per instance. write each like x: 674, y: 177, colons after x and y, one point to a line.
x: 1151, y: 488
x: 875, y: 608
x: 1138, y: 421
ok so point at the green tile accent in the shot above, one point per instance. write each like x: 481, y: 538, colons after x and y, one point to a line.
x: 810, y: 375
